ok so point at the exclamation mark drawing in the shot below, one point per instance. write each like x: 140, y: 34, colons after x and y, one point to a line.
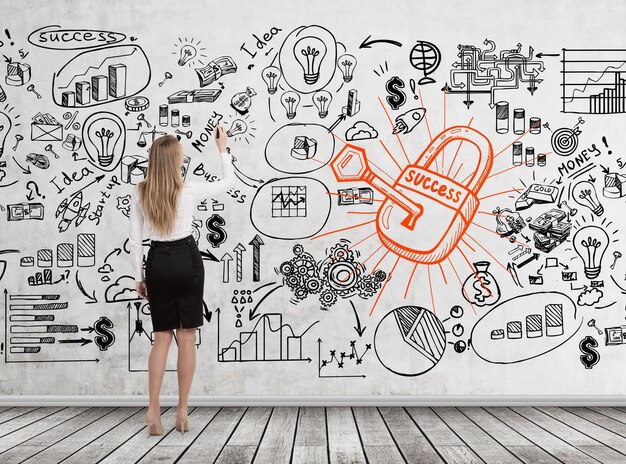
x: 6, y: 31
x: 2, y: 348
x: 606, y: 144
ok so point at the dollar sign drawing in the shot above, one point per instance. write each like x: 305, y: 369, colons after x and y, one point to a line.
x: 397, y: 97
x: 217, y: 236
x: 590, y: 357
x: 105, y: 337
x: 481, y: 285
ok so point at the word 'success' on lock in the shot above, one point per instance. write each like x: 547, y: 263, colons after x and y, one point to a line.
x: 425, y: 213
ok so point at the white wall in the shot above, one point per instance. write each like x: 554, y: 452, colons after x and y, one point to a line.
x: 99, y: 285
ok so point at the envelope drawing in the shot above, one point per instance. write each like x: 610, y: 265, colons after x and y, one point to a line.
x: 46, y: 132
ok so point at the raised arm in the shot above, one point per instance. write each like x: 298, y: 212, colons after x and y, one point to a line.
x: 135, y: 237
x: 203, y: 190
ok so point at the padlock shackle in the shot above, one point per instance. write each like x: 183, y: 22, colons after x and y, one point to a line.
x: 464, y: 133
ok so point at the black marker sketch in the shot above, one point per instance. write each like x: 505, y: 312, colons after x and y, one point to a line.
x: 481, y: 288
x: 396, y: 97
x: 502, y: 117
x: 425, y: 57
x: 480, y: 71
x: 353, y: 106
x: 104, y: 337
x: 268, y: 340
x: 189, y: 52
x: 289, y: 201
x: 238, y: 250
x: 409, y: 341
x: 616, y: 255
x: 590, y: 357
x: 72, y: 142
x: 584, y: 193
x: 299, y: 227
x: 225, y: 260
x: 54, y: 38
x: 104, y: 135
x: 589, y: 297
x: 564, y: 140
x: 271, y: 76
x: 217, y: 234
x: 45, y: 128
x: 136, y: 104
x: 215, y: 69
x: 338, y: 274
x: 321, y: 100
x: 536, y: 194
x: 340, y: 360
x: 242, y: 101
x: 361, y: 130
x: 299, y: 148
x: 17, y: 73
x: 593, y: 81
x: 590, y: 243
x: 538, y: 323
x: 25, y: 211
x: 194, y: 96
x: 614, y: 185
x: 18, y: 139
x: 551, y: 229
x: 308, y: 58
x: 408, y: 121
x: 101, y: 76
x: 256, y: 243
x: 31, y: 88
x: 168, y: 75
x: 346, y: 64
x: 38, y: 160
x: 355, y: 196
x: 290, y: 101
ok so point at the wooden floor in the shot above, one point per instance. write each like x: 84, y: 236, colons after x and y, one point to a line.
x: 316, y: 435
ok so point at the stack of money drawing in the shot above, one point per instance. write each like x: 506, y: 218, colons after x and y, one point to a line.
x: 215, y: 69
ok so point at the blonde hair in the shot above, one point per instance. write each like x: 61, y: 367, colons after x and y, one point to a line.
x: 159, y: 191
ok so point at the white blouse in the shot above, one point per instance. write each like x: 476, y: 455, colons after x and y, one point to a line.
x: 192, y: 193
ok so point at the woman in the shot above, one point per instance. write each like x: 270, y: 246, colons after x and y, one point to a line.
x: 174, y: 276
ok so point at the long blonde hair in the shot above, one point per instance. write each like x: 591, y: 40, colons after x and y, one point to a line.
x: 159, y: 191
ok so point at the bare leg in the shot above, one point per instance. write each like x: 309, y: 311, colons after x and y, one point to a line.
x: 156, y: 368
x: 186, y: 366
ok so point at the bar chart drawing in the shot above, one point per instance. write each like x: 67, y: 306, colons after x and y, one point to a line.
x: 269, y: 340
x: 593, y: 81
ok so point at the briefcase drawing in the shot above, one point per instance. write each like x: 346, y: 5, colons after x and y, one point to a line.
x: 46, y: 132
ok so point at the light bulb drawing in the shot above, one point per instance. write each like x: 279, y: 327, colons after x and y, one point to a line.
x: 584, y: 193
x: 5, y: 127
x: 271, y: 75
x: 591, y: 243
x: 310, y: 52
x: 104, y: 139
x: 237, y: 127
x: 346, y: 64
x: 322, y: 99
x: 187, y: 52
x: 290, y: 100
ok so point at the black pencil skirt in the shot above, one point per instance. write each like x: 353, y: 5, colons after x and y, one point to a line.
x: 175, y: 284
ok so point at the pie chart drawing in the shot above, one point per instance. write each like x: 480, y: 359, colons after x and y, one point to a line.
x: 409, y: 341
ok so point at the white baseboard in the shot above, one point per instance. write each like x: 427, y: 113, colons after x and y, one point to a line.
x: 258, y: 400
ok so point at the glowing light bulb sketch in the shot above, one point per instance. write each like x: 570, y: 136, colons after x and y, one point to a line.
x: 591, y: 243
x: 104, y: 136
x: 310, y: 53
x: 321, y: 100
x: 346, y: 64
x: 237, y: 127
x: 271, y: 75
x: 290, y: 100
x: 189, y: 52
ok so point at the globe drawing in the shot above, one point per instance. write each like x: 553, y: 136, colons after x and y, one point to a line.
x: 425, y: 57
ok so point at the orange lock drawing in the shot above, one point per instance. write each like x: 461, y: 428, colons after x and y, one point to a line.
x: 425, y: 213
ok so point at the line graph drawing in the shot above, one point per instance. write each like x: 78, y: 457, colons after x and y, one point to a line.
x: 289, y: 201
x: 593, y: 81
